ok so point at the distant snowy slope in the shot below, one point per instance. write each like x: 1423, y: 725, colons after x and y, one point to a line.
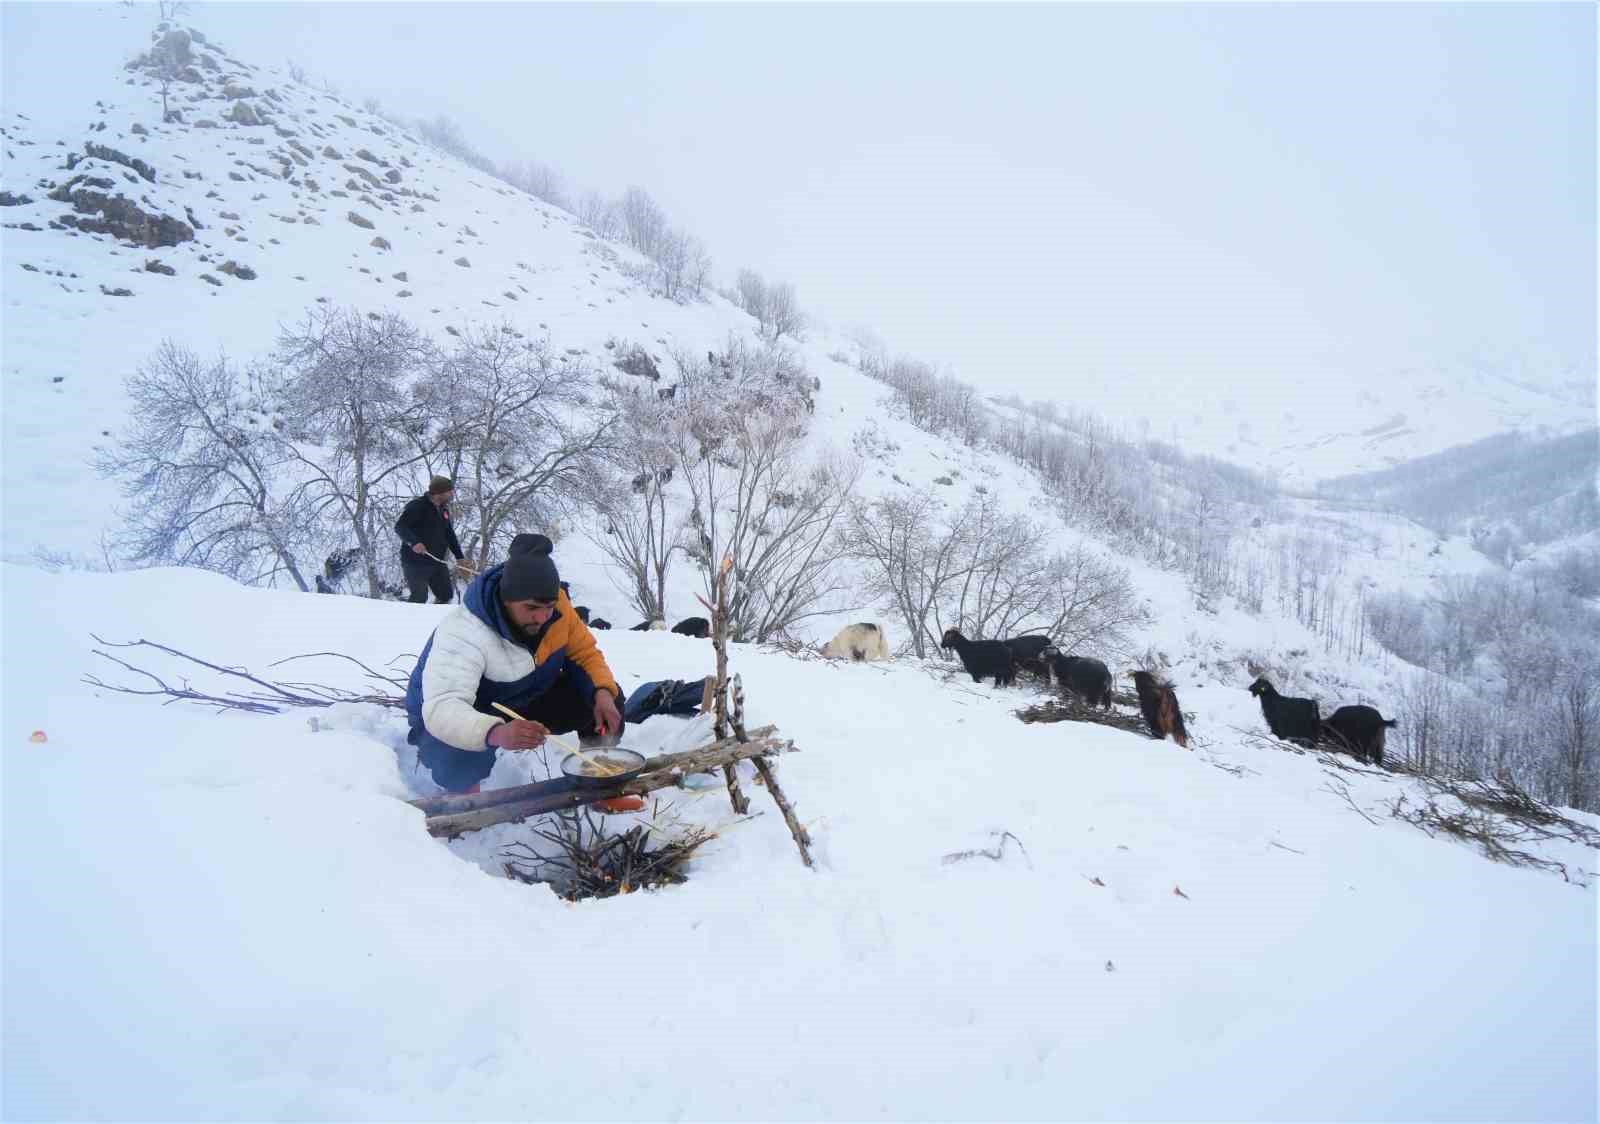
x: 321, y: 203
x: 271, y: 196
x: 1303, y: 428
x: 224, y: 916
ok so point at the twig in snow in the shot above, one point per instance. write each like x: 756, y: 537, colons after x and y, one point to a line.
x: 994, y: 854
x: 1343, y: 792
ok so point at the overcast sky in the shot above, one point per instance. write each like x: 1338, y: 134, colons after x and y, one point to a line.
x: 1030, y: 191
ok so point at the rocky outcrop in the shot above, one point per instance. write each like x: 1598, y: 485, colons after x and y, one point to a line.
x: 360, y: 220
x: 173, y: 47
x: 357, y: 169
x: 99, y: 213
x: 244, y: 114
x: 111, y: 155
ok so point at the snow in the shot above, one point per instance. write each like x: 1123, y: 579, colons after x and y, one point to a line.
x: 226, y: 916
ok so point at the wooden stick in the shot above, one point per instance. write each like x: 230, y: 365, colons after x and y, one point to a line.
x: 554, y: 796
x: 767, y: 774
x: 461, y: 562
x: 452, y: 803
x: 802, y: 837
x: 719, y: 642
x: 603, y: 769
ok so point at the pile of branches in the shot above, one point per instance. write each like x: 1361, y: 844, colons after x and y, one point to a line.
x: 1071, y: 710
x: 586, y: 859
x: 1499, y: 817
x: 261, y: 696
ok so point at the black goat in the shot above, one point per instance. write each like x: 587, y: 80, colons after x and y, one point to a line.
x: 983, y: 658
x: 649, y: 626
x: 1358, y: 730
x: 1030, y: 653
x: 1293, y: 720
x: 1088, y: 679
x: 600, y: 622
x: 583, y: 612
x: 698, y: 627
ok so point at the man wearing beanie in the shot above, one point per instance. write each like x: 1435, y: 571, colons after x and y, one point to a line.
x: 516, y: 640
x: 425, y: 537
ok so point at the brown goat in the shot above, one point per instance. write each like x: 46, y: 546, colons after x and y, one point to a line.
x: 1159, y: 704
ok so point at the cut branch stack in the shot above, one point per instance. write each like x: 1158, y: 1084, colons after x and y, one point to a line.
x: 1065, y: 710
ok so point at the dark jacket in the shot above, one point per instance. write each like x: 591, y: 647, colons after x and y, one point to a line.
x: 428, y: 523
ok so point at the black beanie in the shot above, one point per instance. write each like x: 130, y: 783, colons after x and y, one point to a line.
x: 530, y: 573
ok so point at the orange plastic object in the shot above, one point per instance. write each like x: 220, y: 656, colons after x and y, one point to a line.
x: 621, y: 804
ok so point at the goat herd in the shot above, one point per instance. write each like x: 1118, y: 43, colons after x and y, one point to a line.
x: 1356, y: 730
x: 1083, y: 678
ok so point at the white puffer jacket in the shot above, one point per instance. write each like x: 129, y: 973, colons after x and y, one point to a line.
x: 466, y: 650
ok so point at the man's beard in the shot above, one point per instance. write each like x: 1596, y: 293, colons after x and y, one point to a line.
x: 528, y: 638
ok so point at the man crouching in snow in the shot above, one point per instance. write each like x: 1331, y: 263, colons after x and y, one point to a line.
x: 513, y: 640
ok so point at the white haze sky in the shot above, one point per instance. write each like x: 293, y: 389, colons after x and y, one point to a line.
x: 1033, y: 192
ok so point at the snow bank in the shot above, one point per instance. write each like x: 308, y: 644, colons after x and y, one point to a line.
x: 226, y: 916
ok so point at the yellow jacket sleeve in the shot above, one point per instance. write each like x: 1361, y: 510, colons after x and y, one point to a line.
x: 581, y: 647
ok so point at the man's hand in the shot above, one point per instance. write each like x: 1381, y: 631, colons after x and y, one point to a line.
x: 607, y: 719
x: 418, y: 548
x: 518, y: 735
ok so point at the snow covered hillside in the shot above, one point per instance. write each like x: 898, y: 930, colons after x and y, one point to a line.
x: 269, y: 197
x: 236, y: 916
x: 228, y: 916
x: 278, y: 197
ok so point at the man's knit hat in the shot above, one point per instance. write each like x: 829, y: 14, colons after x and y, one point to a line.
x: 530, y: 573
x: 441, y: 484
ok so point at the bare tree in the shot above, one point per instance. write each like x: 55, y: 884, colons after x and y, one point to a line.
x: 640, y: 533
x: 599, y: 214
x: 1092, y: 603
x: 784, y: 317
x: 200, y: 463
x: 516, y: 429
x: 644, y: 224
x: 911, y: 559
x: 756, y: 495
x: 539, y: 180
x: 774, y: 306
x: 750, y: 293
x: 1577, y: 731
x: 345, y: 381
x: 988, y: 571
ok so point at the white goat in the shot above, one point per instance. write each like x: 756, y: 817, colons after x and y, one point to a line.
x: 858, y: 642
